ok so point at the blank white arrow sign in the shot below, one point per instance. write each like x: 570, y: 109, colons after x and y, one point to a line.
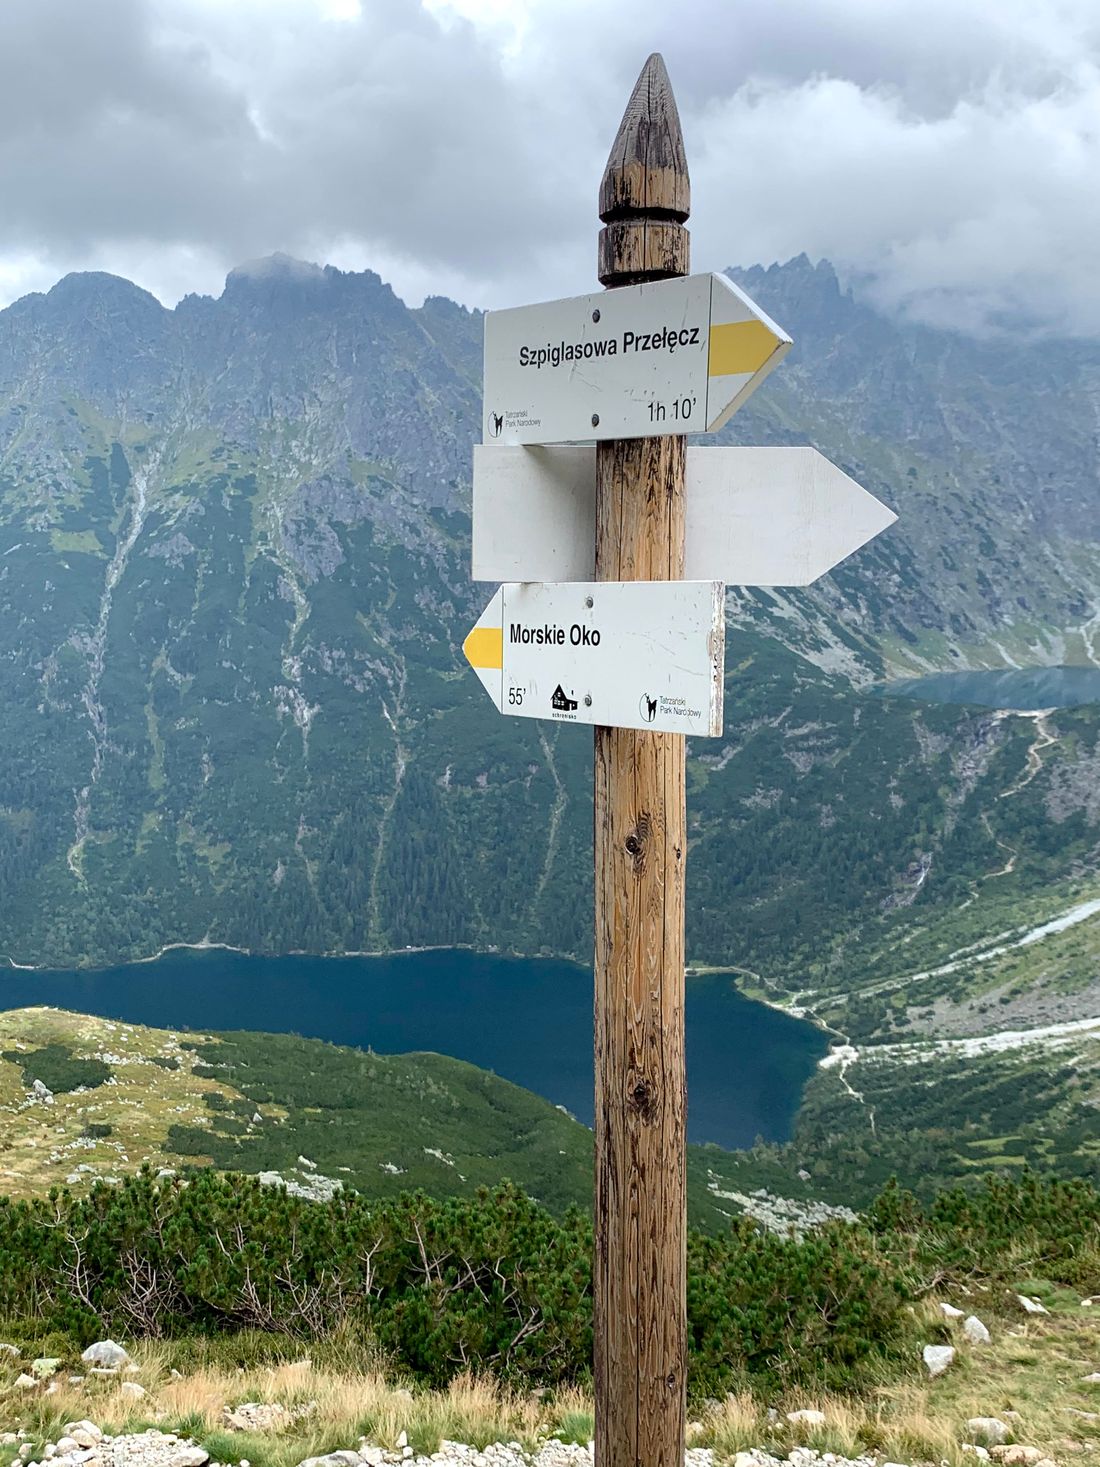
x: 755, y: 516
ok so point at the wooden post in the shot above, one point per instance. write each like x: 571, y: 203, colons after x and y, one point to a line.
x: 640, y: 1283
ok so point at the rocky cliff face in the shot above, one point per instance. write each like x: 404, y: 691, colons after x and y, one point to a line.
x: 234, y: 580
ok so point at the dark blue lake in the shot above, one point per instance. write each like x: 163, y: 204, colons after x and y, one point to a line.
x: 529, y: 1020
x: 1013, y: 687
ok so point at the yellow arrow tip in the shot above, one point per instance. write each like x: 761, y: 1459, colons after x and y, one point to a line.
x: 740, y: 347
x: 484, y: 647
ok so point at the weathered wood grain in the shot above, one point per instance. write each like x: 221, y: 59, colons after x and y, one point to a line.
x: 645, y: 193
x: 640, y: 847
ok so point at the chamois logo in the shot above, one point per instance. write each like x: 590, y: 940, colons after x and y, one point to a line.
x: 496, y: 424
x: 647, y: 707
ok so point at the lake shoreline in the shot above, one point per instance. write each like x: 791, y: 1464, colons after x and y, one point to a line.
x: 526, y: 1020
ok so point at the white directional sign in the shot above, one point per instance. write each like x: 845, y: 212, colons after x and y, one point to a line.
x: 754, y: 516
x: 677, y: 356
x: 629, y: 654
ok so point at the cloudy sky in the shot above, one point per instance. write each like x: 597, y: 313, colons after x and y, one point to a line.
x: 945, y: 154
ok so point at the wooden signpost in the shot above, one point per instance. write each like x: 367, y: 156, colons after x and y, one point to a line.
x: 573, y: 636
x: 640, y: 1206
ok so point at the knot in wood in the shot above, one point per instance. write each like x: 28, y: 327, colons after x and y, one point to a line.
x: 637, y: 841
x: 643, y: 1099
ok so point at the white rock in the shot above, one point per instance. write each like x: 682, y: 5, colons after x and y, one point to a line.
x: 189, y: 1457
x: 84, y: 1433
x: 1032, y: 1305
x: 402, y: 1439
x: 975, y: 1331
x: 806, y: 1418
x: 975, y: 1451
x: 105, y: 1352
x: 989, y: 1429
x: 938, y: 1358
x: 1093, y: 1379
x: 11, y: 1350
x: 67, y: 1444
x: 1016, y: 1456
x: 25, y: 1382
x: 950, y: 1312
x: 372, y: 1456
x: 131, y: 1391
x: 51, y: 1450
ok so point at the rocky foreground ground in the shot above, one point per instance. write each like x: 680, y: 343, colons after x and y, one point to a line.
x: 134, y: 1428
x: 84, y: 1445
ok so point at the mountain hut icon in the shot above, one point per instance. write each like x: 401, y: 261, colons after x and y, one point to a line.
x: 560, y: 701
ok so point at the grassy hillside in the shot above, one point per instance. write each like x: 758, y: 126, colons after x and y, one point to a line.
x: 317, y: 1115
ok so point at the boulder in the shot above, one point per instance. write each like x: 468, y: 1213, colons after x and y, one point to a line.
x: 86, y: 1434
x: 950, y: 1312
x: 1016, y: 1455
x: 806, y: 1418
x: 105, y: 1353
x: 25, y: 1382
x: 189, y: 1456
x: 989, y: 1429
x: 975, y: 1331
x: 938, y: 1358
x: 11, y: 1350
x: 129, y: 1390
x: 1032, y: 1306
x: 67, y: 1444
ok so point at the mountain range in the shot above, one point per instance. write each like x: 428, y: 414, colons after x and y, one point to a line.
x: 234, y: 582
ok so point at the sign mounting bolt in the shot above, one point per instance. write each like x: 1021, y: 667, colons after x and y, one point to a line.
x: 588, y: 700
x: 588, y: 602
x: 595, y: 315
x: 595, y: 420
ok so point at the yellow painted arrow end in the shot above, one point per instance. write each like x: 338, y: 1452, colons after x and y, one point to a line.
x: 740, y: 347
x: 484, y: 647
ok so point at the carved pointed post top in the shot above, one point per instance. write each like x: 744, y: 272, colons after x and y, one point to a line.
x: 645, y: 194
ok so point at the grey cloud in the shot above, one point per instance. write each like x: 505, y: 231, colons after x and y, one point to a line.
x: 945, y: 152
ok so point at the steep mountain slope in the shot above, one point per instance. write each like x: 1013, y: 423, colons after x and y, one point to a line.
x: 234, y: 580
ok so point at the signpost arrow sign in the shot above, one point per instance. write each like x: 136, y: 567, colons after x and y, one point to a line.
x: 754, y: 516
x: 676, y: 356
x: 631, y: 654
